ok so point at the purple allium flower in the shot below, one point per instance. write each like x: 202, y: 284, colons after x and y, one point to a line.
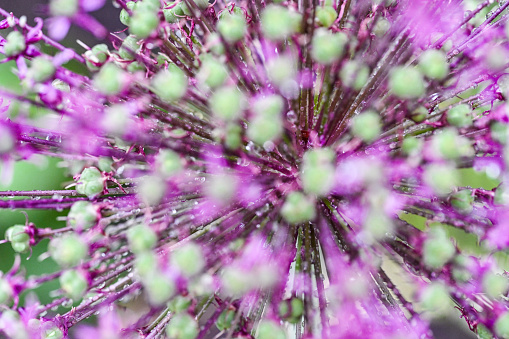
x: 257, y: 170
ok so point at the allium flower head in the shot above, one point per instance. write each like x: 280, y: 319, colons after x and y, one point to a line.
x: 254, y: 169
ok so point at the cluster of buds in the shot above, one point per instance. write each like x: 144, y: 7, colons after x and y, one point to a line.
x: 254, y: 169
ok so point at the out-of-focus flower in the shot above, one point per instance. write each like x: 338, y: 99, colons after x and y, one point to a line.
x: 251, y: 169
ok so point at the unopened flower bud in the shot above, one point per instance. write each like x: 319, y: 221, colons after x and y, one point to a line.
x: 328, y: 47
x: 82, y: 215
x: 188, y: 259
x: 14, y: 44
x: 141, y: 238
x: 97, y: 56
x: 182, y: 326
x: 232, y: 26
x: 20, y: 240
x: 298, y: 208
x: 326, y: 15
x: 437, y: 249
x: 433, y: 64
x: 406, y: 82
x: 460, y: 116
x: 279, y: 22
x: 90, y: 183
x: 68, y: 250
x: 170, y: 84
x: 367, y: 126
x: 227, y: 103
x: 268, y: 329
x: 74, y: 284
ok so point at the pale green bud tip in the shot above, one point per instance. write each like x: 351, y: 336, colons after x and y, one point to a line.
x: 279, y: 22
x: 145, y: 264
x: 262, y: 129
x: 224, y: 321
x: 182, y: 326
x: 188, y: 259
x: 141, y: 238
x: 462, y: 201
x: 298, y: 208
x: 5, y: 291
x: 143, y: 22
x: 63, y: 7
x: 268, y: 329
x: 291, y: 310
x: 450, y: 145
x: 406, y: 83
x: 90, y: 183
x: 68, y: 251
x: 179, y: 304
x: 435, y: 298
x: 74, y: 284
x: 437, y: 249
x: 441, y: 178
x: 502, y: 325
x: 52, y: 333
x: 354, y: 74
x: 168, y: 163
x: 212, y: 73
x: 20, y: 240
x: 159, y: 288
x: 82, y: 215
x: 170, y: 84
x: 270, y: 106
x: 411, y: 145
x: 232, y: 26
x: 41, y: 69
x: 460, y: 116
x: 433, y: 64
x: 328, y: 47
x: 326, y: 15
x: 494, y: 285
x: 227, y: 103
x: 317, y: 173
x: 15, y: 43
x: 129, y: 48
x: 367, y: 126
x: 109, y: 80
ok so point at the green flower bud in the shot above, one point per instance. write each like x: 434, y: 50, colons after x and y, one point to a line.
x: 298, y: 208
x: 291, y: 310
x: 235, y: 282
x: 227, y: 103
x: 212, y: 73
x: 141, y: 238
x: 263, y: 128
x: 232, y: 138
x: 502, y: 325
x: 433, y: 64
x: 41, y: 69
x: 483, y: 332
x: 63, y: 7
x: 367, y: 126
x: 270, y: 106
x: 145, y: 264
x: 74, y: 284
x: 188, y: 259
x: 109, y: 80
x: 281, y: 70
x: 170, y: 84
x: 129, y: 48
x: 442, y: 178
x: 377, y: 225
x: 90, y: 183
x: 279, y: 22
x: 152, y: 190
x: 168, y: 163
x: 105, y: 164
x: 326, y: 16
x: 451, y: 145
x: 125, y: 18
x: 382, y: 25
x: 268, y: 329
x: 96, y: 56
x: 225, y: 319
x: 52, y: 333
x: 460, y: 116
x: 179, y: 304
x: 82, y: 215
x: 159, y: 289
x: 437, y: 249
x: 435, y: 298
x: 170, y: 16
x: 215, y: 44
x: 411, y: 145
x: 20, y: 240
x: 143, y: 22
x: 494, y: 285
x: 14, y: 44
x: 317, y: 173
x: 354, y: 74
x: 68, y: 250
x: 5, y: 291
x: 462, y: 201
x: 419, y: 114
x: 182, y: 326
x: 499, y: 132
x: 406, y: 83
x: 328, y: 47
x: 232, y: 26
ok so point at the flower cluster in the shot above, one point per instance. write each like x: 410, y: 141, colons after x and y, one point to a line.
x: 254, y: 169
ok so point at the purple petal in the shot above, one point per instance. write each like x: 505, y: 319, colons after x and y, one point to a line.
x: 58, y: 27
x: 91, y: 5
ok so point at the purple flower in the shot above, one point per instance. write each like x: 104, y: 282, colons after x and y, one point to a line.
x: 253, y: 170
